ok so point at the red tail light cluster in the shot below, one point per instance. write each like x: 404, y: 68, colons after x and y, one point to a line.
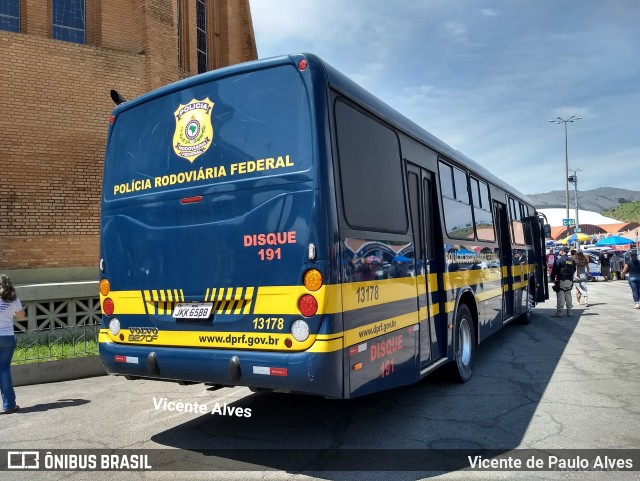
x: 108, y: 306
x: 307, y: 304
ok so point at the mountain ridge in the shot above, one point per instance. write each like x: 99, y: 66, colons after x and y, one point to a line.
x: 597, y: 200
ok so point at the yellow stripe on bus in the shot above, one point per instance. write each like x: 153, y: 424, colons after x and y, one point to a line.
x: 488, y: 294
x: 283, y: 300
x: 126, y: 302
x: 208, y: 339
x: 378, y: 328
x: 374, y: 293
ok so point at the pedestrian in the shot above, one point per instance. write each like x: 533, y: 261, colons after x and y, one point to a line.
x: 617, y: 264
x: 10, y: 305
x: 551, y: 259
x: 605, y: 265
x: 562, y: 276
x: 632, y: 267
x: 580, y: 278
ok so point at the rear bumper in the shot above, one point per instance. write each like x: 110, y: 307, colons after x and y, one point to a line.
x: 302, y: 372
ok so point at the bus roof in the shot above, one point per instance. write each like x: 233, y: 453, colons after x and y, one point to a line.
x: 342, y: 83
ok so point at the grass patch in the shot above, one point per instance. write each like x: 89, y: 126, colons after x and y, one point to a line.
x: 45, y: 352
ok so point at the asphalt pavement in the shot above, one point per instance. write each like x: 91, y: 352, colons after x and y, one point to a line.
x: 558, y: 384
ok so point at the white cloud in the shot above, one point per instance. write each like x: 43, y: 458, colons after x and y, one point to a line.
x: 488, y: 80
x: 489, y: 12
x: 456, y: 30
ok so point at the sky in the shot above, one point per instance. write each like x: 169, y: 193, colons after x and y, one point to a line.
x: 486, y: 76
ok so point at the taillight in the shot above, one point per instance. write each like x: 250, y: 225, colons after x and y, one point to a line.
x: 108, y: 306
x: 105, y: 287
x: 313, y: 279
x: 308, y: 305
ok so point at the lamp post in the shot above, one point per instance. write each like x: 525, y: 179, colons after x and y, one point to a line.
x: 574, y: 180
x: 560, y: 120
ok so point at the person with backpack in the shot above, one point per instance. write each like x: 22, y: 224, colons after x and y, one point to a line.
x: 580, y: 278
x: 605, y: 265
x: 562, y: 275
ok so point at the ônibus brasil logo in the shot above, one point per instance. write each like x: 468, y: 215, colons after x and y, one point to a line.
x: 194, y: 132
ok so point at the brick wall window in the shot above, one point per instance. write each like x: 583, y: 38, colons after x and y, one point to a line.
x: 10, y: 15
x: 68, y: 20
x: 180, y: 35
x: 201, y: 25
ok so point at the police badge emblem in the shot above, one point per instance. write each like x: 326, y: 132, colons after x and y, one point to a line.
x: 194, y: 132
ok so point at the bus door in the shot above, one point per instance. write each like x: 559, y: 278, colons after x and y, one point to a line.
x: 542, y: 281
x: 420, y: 198
x: 506, y: 260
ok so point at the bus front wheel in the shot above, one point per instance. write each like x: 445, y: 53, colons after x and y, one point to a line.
x: 461, y: 368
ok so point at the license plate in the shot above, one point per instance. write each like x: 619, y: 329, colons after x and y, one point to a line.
x: 192, y: 310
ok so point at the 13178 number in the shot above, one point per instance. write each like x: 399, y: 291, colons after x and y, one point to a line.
x: 260, y: 323
x: 366, y: 294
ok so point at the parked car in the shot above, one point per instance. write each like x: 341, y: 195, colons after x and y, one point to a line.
x: 594, y: 265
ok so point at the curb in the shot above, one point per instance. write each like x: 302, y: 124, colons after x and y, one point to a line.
x: 55, y: 371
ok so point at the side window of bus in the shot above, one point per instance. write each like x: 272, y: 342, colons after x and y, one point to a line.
x: 455, y: 202
x: 482, y: 210
x: 370, y: 172
x: 527, y: 221
x: 517, y: 231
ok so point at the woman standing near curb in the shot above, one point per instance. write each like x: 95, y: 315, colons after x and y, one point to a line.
x: 580, y: 279
x: 10, y: 305
x: 633, y: 268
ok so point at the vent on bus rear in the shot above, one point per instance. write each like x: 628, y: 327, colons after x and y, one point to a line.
x: 230, y: 300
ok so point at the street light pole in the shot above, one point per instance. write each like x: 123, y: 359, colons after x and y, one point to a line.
x: 560, y: 120
x: 574, y: 180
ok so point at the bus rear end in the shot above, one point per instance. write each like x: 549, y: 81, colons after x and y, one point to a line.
x: 214, y: 238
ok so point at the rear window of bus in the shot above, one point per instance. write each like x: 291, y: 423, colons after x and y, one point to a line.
x: 237, y: 128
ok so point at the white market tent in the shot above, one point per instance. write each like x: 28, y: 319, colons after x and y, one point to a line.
x: 556, y: 215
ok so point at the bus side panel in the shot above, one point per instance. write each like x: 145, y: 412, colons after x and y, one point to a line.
x: 380, y: 315
x: 383, y: 362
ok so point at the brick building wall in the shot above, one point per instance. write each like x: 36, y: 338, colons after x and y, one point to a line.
x: 55, y: 106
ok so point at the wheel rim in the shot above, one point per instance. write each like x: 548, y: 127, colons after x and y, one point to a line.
x: 465, y: 342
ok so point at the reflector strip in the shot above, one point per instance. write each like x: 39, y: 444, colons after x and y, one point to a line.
x: 129, y: 359
x: 270, y: 371
x: 357, y: 349
x: 191, y: 200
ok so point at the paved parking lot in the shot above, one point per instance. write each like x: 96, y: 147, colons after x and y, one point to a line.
x: 559, y: 383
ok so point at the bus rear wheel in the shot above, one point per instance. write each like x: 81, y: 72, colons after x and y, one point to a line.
x: 461, y: 368
x: 527, y: 316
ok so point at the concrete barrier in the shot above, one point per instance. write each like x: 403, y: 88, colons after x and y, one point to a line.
x: 54, y: 371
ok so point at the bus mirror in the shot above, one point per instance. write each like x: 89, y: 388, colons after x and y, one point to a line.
x: 547, y: 230
x: 117, y: 98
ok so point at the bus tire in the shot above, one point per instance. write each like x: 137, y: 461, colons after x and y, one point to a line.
x: 527, y: 316
x: 464, y: 345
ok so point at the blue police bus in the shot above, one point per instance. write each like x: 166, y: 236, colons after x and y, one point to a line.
x: 274, y: 225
